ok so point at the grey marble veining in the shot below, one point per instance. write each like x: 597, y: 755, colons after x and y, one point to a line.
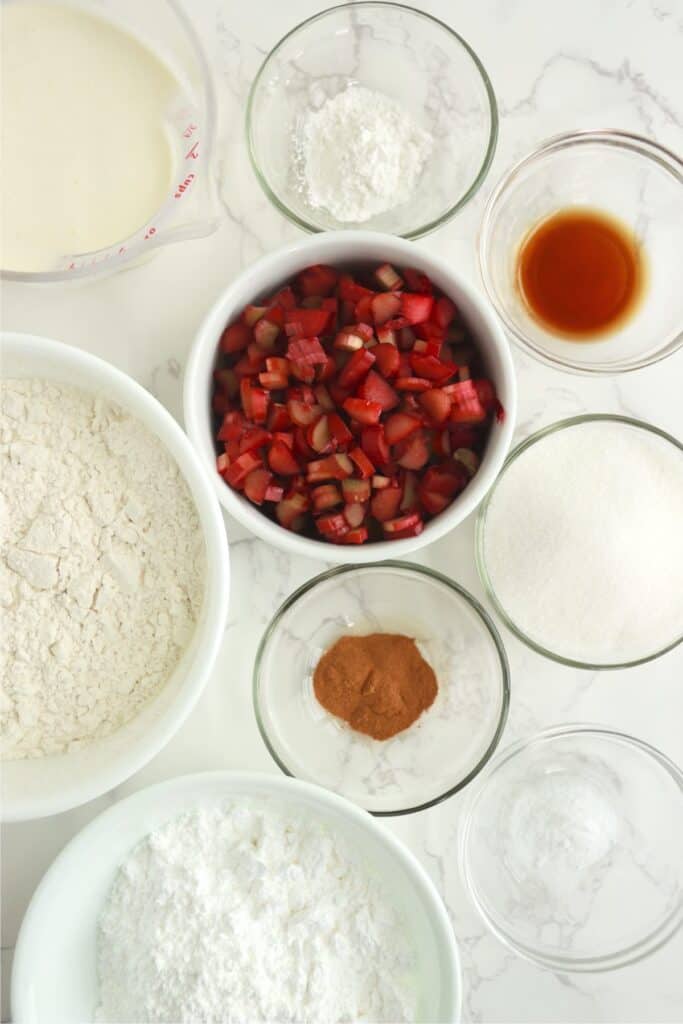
x: 554, y: 67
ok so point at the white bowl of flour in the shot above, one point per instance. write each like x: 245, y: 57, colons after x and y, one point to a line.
x: 352, y: 919
x: 113, y: 577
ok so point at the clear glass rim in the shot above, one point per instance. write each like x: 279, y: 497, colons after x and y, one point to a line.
x: 480, y: 529
x: 418, y: 570
x: 471, y: 190
x: 613, y: 137
x: 650, y: 943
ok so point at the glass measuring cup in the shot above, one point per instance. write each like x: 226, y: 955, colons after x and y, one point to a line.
x: 192, y: 207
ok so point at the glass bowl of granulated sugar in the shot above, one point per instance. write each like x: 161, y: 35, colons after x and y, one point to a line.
x: 579, y: 542
x: 374, y: 115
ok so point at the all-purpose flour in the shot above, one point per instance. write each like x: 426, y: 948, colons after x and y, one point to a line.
x: 101, y: 567
x: 242, y: 913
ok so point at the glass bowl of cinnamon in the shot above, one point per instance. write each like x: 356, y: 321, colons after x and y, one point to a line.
x: 387, y: 683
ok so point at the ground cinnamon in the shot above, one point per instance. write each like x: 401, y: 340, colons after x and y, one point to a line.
x: 380, y: 684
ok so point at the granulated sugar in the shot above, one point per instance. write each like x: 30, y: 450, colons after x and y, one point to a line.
x: 584, y: 542
x: 243, y: 913
x: 360, y: 154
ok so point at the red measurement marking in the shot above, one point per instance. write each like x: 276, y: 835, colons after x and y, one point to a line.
x: 191, y: 128
x: 193, y: 153
x: 152, y: 231
x: 122, y: 250
x: 183, y: 187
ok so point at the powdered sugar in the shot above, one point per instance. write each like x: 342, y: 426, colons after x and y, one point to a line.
x: 360, y: 154
x: 243, y: 913
x: 101, y: 567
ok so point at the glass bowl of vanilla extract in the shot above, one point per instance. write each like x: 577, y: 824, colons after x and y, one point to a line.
x: 579, y: 252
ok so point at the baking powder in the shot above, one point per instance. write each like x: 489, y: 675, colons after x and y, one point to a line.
x: 360, y: 154
x: 245, y: 913
x: 101, y: 567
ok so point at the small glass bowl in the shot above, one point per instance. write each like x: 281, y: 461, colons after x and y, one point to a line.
x: 572, y: 848
x: 409, y: 56
x: 450, y: 742
x: 505, y: 611
x: 634, y: 180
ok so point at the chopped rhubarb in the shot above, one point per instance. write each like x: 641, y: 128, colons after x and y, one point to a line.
x: 375, y: 389
x: 356, y: 368
x: 281, y: 460
x: 363, y: 465
x: 388, y: 278
x: 400, y: 424
x: 388, y: 359
x: 363, y: 411
x: 416, y: 308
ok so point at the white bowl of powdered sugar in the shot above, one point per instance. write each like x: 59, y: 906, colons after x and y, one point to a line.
x: 113, y: 577
x: 241, y: 897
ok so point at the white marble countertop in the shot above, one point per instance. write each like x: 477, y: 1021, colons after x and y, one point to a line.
x: 555, y: 67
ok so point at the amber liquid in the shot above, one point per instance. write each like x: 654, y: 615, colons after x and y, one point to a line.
x: 580, y: 273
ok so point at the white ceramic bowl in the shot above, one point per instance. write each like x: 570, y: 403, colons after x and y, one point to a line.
x: 347, y: 248
x: 35, y: 787
x: 54, y: 974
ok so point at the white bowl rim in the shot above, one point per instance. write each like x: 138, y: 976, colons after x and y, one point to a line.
x: 234, y: 780
x: 335, y: 244
x: 216, y: 592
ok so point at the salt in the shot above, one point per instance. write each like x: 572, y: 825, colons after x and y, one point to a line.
x: 584, y: 542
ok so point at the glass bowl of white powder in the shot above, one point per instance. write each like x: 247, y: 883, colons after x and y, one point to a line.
x: 572, y: 848
x: 579, y: 542
x: 373, y: 115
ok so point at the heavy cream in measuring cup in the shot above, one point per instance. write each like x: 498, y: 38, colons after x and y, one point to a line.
x: 85, y: 159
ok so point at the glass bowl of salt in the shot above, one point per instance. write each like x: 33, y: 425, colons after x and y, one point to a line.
x: 371, y: 115
x: 571, y: 847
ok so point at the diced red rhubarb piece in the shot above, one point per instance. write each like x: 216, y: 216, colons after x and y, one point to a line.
x: 302, y: 371
x: 416, y: 307
x: 400, y: 424
x: 355, y: 490
x: 318, y: 435
x: 467, y: 458
x: 334, y: 467
x: 285, y: 437
x: 379, y: 482
x: 388, y: 359
x: 462, y: 435
x: 245, y: 368
x: 348, y: 341
x: 417, y: 281
x: 273, y: 493
x: 387, y: 336
x: 363, y: 309
x: 486, y: 393
x: 302, y: 414
x: 376, y: 389
x: 239, y: 470
x: 388, y: 278
x: 325, y: 496
x: 281, y: 459
x: 374, y: 444
x: 227, y: 381
x: 256, y: 356
x: 442, y: 443
x: 339, y: 432
x: 301, y: 446
x: 312, y: 321
x: 362, y: 462
x: 409, y: 497
x: 402, y: 523
x: 222, y: 463
x: 306, y: 350
x: 273, y: 381
x: 356, y: 368
x: 252, y: 438
x: 363, y: 411
x: 235, y: 338
x: 412, y: 384
x: 350, y: 290
x: 357, y: 536
x: 432, y: 502
x: 385, y: 504
x: 285, y: 298
x: 447, y: 478
x: 467, y: 407
x: 317, y: 280
x: 431, y: 368
x: 265, y: 334
x: 406, y: 339
x: 301, y: 393
x: 278, y: 417
x: 290, y: 510
x: 254, y: 401
x: 385, y: 306
x: 414, y: 452
x: 444, y: 311
x: 252, y: 314
x: 332, y: 525
x: 430, y: 331
x: 436, y: 404
x: 354, y: 514
x: 326, y: 370
x: 231, y: 427
x: 256, y: 485
x: 232, y: 449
